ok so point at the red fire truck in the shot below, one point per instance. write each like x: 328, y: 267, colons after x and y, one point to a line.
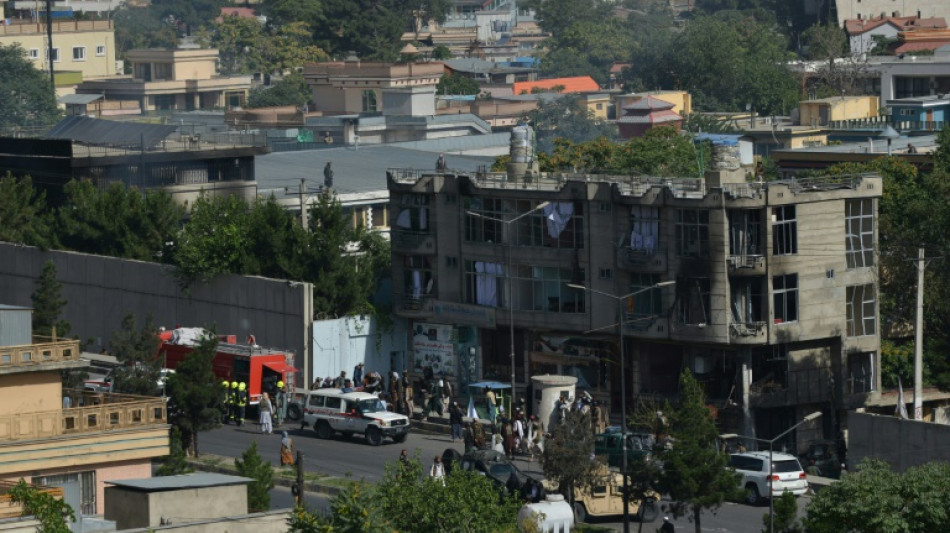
x: 257, y: 366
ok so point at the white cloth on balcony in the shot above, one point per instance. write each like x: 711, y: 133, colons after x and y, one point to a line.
x: 558, y: 214
x: 486, y: 283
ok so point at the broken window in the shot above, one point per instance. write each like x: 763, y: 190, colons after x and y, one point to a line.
x: 861, y: 372
x: 692, y: 232
x: 649, y: 302
x: 413, y: 213
x: 861, y: 310
x: 785, y: 298
x: 745, y: 232
x: 859, y: 232
x: 484, y: 283
x: 694, y: 301
x: 784, y: 230
x: 746, y: 300
x: 487, y: 227
x: 419, y: 279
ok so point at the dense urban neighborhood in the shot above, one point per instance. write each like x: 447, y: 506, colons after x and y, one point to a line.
x: 474, y: 266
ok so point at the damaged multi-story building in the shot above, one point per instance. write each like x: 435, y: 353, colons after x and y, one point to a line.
x: 767, y: 290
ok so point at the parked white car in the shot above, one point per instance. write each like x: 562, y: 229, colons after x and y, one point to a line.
x: 787, y: 475
x: 330, y: 411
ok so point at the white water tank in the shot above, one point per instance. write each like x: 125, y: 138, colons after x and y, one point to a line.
x: 547, y: 389
x: 553, y: 515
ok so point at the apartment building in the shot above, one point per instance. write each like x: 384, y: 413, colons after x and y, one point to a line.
x: 86, y: 46
x: 773, y: 304
x: 73, y: 440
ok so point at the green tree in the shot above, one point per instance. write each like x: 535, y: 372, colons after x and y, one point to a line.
x: 141, y: 27
x: 568, y: 454
x: 942, y: 153
x: 877, y: 499
x: 118, y: 222
x: 188, y: 15
x: 292, y: 90
x: 26, y: 99
x: 252, y: 465
x: 53, y: 513
x: 194, y: 396
x: 405, y: 500
x: 290, y: 46
x: 662, y: 152
x: 725, y: 61
x: 240, y: 42
x: 694, y: 471
x: 48, y: 303
x: 214, y: 241
x: 568, y: 118
x: 24, y: 216
x: 136, y: 349
x: 785, y: 515
x: 456, y: 84
x: 176, y: 462
x: 441, y: 52
x: 594, y: 44
x: 897, y: 361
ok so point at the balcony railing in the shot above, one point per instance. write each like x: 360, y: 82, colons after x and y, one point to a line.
x: 747, y: 264
x: 408, y: 241
x: 649, y: 259
x: 41, y: 352
x: 413, y: 305
x: 89, y: 412
x: 11, y: 509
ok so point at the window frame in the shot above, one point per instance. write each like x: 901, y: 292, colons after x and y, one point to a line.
x: 692, y: 231
x: 868, y: 369
x: 100, y: 50
x: 784, y: 230
x: 34, y: 53
x: 860, y: 325
x: 859, y: 233
x: 82, y: 50
x: 784, y: 291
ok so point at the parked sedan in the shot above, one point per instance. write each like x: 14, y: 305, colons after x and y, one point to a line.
x: 499, y: 469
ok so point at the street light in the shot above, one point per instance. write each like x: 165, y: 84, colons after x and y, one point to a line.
x: 808, y: 418
x: 623, y: 385
x: 511, y: 307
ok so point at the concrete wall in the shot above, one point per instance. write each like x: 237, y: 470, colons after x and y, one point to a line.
x: 850, y: 9
x: 269, y: 522
x: 132, y: 508
x: 339, y: 344
x: 28, y: 392
x: 102, y: 290
x: 902, y: 443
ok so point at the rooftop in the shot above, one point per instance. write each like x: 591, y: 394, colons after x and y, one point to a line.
x: 576, y: 84
x: 196, y: 480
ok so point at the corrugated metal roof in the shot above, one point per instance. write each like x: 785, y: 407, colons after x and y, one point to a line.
x: 184, y: 481
x: 109, y: 132
x: 5, y: 307
x: 79, y: 99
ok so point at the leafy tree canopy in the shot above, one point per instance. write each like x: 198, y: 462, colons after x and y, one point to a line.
x: 26, y: 99
x: 24, y: 217
x: 566, y: 117
x: 142, y: 27
x: 694, y: 472
x: 292, y: 90
x: 877, y: 499
x: 456, y: 84
x: 408, y: 500
x: 247, y: 46
x: 53, y: 513
x: 725, y: 61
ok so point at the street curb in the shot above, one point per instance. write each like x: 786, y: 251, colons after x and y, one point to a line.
x: 227, y: 467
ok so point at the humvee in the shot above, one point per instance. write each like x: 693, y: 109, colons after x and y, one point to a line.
x: 606, y: 499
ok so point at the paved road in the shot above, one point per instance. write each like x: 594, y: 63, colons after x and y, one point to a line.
x: 355, y: 459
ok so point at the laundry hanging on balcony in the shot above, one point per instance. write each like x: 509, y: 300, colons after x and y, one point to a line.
x: 486, y: 283
x: 557, y: 215
x: 645, y: 224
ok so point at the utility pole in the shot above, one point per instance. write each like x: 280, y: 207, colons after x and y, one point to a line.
x: 49, y: 45
x: 299, y: 486
x: 919, y: 339
x: 303, y: 210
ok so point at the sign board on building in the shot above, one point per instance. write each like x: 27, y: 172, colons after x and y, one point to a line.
x: 433, y: 345
x: 458, y: 313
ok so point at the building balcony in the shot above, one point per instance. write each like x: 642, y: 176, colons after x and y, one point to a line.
x: 808, y: 386
x: 412, y: 242
x: 91, y: 413
x: 40, y: 356
x: 11, y: 509
x: 746, y: 265
x: 748, y: 332
x: 642, y: 260
x: 409, y: 306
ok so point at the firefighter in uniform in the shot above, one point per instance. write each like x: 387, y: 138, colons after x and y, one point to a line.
x: 225, y: 401
x: 233, y: 401
x: 241, y: 403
